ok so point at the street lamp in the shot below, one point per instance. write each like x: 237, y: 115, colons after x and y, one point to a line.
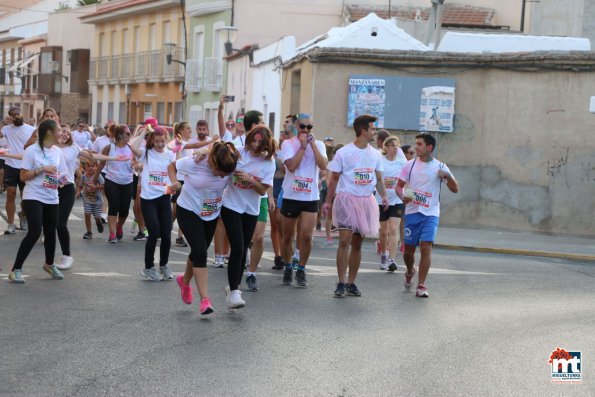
x: 169, y: 53
x: 228, y: 36
x: 54, y: 66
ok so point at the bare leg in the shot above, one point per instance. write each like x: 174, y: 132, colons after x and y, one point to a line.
x: 188, y: 273
x: 287, y: 237
x: 383, y: 237
x: 112, y: 221
x: 88, y: 222
x: 220, y: 236
x: 392, y: 237
x: 409, y: 257
x: 11, y: 197
x: 425, y: 248
x: 355, y: 256
x: 201, y: 277
x: 304, y: 240
x: 257, y: 246
x: 343, y: 253
x: 275, y: 235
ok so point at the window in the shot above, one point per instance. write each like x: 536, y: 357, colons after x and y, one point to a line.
x: 199, y: 42
x: 99, y: 111
x: 147, y: 110
x: 178, y: 108
x: 123, y: 117
x: 296, y: 87
x: 167, y: 32
x: 112, y: 43
x: 110, y: 111
x: 124, y: 49
x: 102, y: 49
x: 152, y: 37
x: 136, y: 48
x: 161, y: 112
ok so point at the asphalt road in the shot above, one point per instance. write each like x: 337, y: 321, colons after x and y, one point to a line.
x: 487, y: 329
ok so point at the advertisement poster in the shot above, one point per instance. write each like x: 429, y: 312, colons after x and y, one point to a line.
x: 437, y: 109
x: 366, y: 96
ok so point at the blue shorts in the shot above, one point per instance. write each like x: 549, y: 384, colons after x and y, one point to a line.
x: 420, y: 228
x: 280, y: 199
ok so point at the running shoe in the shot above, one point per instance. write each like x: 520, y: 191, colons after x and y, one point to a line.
x: 378, y: 250
x: 300, y: 278
x: 119, y: 234
x: 134, y: 227
x: 340, y: 290
x: 278, y: 263
x: 288, y: 275
x: 186, y: 291
x: 329, y: 241
x: 140, y: 237
x: 104, y: 218
x: 88, y: 236
x: 166, y: 272
x: 112, y: 239
x: 99, y: 225
x: 219, y: 263
x: 422, y: 291
x: 234, y: 299
x: 16, y: 277
x: 392, y: 266
x: 10, y: 229
x: 251, y: 282
x: 152, y: 274
x: 383, y: 262
x: 180, y: 242
x: 53, y: 271
x: 65, y: 263
x: 23, y: 221
x: 408, y: 278
x: 206, y: 306
x: 352, y: 290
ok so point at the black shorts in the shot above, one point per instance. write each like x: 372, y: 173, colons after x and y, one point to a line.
x: 2, y: 163
x: 393, y: 211
x: 12, y: 177
x: 174, y: 198
x: 293, y: 208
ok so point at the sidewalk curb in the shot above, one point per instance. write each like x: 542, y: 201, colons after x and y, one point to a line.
x: 509, y: 251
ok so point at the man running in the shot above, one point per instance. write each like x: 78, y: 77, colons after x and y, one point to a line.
x: 304, y: 157
x: 424, y: 176
x: 356, y: 171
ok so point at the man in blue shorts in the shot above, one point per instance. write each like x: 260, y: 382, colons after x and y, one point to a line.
x: 419, y: 187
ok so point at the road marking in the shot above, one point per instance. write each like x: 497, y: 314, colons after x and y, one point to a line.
x: 103, y: 274
x: 5, y: 276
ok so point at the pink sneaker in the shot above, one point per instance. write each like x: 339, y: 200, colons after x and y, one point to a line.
x: 186, y: 290
x: 206, y: 306
x: 408, y: 278
x: 422, y: 291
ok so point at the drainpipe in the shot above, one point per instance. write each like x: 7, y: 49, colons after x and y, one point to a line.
x: 434, y: 24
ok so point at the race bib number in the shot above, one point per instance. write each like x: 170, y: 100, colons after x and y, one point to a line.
x: 363, y: 176
x: 210, y: 206
x: 157, y: 178
x: 51, y: 181
x: 244, y: 185
x: 422, y: 198
x: 302, y: 185
x: 390, y: 182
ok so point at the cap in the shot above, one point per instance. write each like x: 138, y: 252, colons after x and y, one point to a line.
x: 328, y: 138
x: 152, y: 121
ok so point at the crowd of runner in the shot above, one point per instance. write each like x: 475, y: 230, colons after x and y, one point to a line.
x: 224, y: 187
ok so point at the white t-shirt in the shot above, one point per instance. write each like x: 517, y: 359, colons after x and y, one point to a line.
x: 173, y: 145
x: 357, y: 168
x: 82, y: 138
x: 154, y: 177
x: 119, y: 172
x: 44, y: 187
x: 100, y: 143
x: 239, y: 141
x: 401, y: 154
x: 202, y: 192
x: 71, y: 157
x: 239, y: 196
x: 227, y: 136
x: 390, y: 175
x: 425, y: 183
x: 3, y: 142
x: 16, y: 137
x: 302, y: 184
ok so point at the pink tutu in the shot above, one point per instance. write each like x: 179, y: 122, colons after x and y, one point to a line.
x: 360, y: 214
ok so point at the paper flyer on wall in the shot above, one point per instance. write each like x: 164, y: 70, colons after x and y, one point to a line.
x: 437, y: 109
x: 366, y: 96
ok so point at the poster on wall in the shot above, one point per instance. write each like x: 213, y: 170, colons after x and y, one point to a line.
x: 437, y: 109
x: 366, y: 96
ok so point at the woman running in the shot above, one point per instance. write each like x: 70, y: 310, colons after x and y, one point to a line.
x: 118, y: 181
x: 245, y: 202
x: 43, y: 169
x: 199, y: 205
x: 390, y: 218
x: 67, y: 192
x: 155, y: 202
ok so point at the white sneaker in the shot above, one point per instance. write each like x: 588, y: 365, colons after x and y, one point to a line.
x: 219, y: 261
x: 234, y: 299
x: 65, y: 262
x: 382, y: 266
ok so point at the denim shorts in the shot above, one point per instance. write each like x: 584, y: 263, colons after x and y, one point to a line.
x: 420, y: 228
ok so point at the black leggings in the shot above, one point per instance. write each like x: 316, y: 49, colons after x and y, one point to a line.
x: 198, y: 233
x: 118, y: 198
x: 158, y: 219
x: 239, y: 229
x: 66, y: 195
x: 38, y: 215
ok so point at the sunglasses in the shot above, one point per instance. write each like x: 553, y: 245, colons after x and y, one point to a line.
x: 239, y: 120
x: 230, y: 125
x: 306, y: 127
